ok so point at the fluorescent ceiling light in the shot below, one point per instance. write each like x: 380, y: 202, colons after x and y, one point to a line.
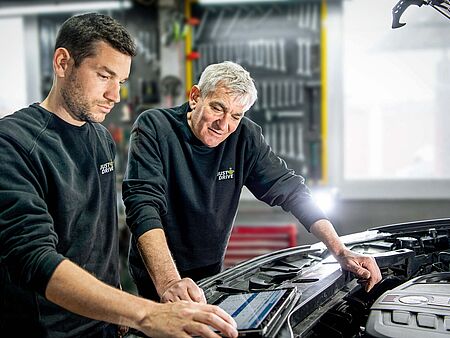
x: 63, y: 8
x: 228, y: 2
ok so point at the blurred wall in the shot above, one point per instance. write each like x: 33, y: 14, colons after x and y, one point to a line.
x: 20, y: 85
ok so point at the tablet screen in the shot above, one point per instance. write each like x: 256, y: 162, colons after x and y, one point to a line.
x: 250, y: 309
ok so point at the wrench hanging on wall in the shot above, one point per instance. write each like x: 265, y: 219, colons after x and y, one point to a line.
x: 315, y: 17
x: 301, y: 92
x: 265, y: 94
x: 292, y: 153
x: 279, y: 94
x: 283, y: 150
x: 201, y: 26
x: 282, y: 45
x: 300, y: 149
x: 274, y: 138
x: 293, y: 87
x: 307, y: 55
x: 286, y: 93
x: 233, y: 22
x: 300, y: 58
x: 267, y: 132
x: 274, y: 51
x: 217, y: 23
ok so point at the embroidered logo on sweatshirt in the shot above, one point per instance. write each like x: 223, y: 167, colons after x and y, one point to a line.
x: 106, y: 167
x: 226, y: 174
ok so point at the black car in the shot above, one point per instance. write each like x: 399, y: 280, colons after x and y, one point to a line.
x: 302, y: 291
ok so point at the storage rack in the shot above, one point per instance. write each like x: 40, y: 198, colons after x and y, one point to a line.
x: 280, y: 44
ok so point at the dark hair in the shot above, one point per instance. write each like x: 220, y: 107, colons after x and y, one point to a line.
x: 80, y: 33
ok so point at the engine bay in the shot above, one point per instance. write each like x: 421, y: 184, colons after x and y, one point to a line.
x: 331, y: 302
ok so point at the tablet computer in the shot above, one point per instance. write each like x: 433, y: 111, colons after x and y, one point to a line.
x: 257, y: 313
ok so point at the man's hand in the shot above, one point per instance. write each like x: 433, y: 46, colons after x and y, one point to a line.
x: 364, y: 267
x: 183, y: 289
x: 161, y: 268
x: 184, y: 319
x: 78, y: 291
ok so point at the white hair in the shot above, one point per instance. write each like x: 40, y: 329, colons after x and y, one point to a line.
x: 231, y: 76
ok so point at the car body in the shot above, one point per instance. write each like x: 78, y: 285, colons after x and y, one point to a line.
x: 331, y: 302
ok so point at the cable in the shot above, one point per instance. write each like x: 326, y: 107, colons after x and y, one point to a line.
x: 288, y: 321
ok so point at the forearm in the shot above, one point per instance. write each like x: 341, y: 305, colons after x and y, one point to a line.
x: 363, y: 266
x: 158, y: 260
x: 76, y: 290
x: 325, y: 232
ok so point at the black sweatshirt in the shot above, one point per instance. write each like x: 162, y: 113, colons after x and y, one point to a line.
x: 58, y: 200
x: 175, y: 182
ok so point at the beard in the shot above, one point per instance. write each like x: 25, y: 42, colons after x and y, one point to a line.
x: 76, y: 103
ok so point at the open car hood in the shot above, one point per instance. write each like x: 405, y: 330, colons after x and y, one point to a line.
x: 330, y: 302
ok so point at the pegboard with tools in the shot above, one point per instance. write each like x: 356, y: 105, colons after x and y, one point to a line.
x: 279, y: 44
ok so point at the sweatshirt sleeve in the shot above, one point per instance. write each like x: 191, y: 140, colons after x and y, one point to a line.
x: 273, y: 183
x: 27, y: 237
x: 144, y: 186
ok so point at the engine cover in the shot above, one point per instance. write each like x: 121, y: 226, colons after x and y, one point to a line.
x: 417, y: 308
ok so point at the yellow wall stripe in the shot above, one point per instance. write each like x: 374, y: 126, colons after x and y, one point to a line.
x: 324, y: 94
x: 188, y: 47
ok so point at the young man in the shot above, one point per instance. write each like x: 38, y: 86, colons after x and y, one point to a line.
x: 186, y: 169
x: 59, y: 273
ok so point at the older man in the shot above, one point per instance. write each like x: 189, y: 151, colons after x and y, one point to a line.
x: 187, y: 166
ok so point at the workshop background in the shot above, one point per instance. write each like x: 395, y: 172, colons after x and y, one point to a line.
x: 359, y: 109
